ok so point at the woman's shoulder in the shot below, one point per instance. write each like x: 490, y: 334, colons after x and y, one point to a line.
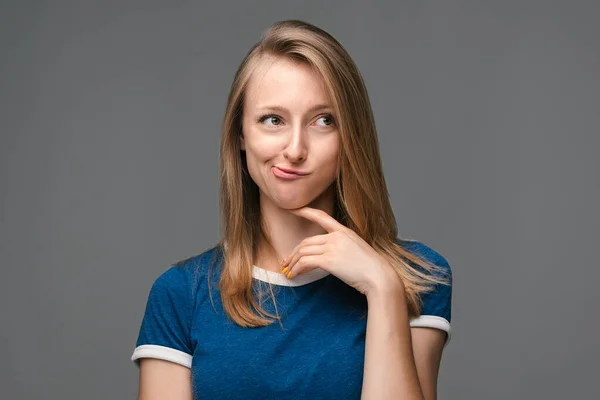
x: 190, y: 272
x: 424, y: 251
x: 202, y: 261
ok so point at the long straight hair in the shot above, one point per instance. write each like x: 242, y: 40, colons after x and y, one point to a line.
x: 361, y: 198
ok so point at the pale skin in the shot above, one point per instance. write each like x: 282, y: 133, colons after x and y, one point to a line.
x: 400, y: 362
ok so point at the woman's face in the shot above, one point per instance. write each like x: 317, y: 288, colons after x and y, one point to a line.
x: 288, y: 122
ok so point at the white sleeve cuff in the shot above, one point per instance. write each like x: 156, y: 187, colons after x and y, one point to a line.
x: 432, y: 321
x: 163, y: 353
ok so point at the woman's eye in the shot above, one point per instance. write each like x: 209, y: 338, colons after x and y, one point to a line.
x: 328, y: 120
x: 273, y: 119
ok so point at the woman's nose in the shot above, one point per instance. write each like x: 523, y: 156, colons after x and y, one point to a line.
x: 296, y: 149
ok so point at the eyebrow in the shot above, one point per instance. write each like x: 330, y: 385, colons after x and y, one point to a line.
x: 318, y: 107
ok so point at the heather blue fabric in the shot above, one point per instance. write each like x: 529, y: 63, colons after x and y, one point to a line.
x: 318, y: 354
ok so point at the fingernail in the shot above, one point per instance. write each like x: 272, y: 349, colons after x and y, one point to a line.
x: 289, y: 275
x: 284, y: 270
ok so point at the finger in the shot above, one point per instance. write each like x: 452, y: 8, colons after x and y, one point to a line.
x: 306, y: 264
x: 309, y: 241
x: 320, y: 217
x: 303, y: 251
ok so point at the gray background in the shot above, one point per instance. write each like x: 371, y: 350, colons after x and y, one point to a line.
x: 487, y: 115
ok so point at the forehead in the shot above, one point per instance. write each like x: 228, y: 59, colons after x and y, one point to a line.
x: 284, y: 80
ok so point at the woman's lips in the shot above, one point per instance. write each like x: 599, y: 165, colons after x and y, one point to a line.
x: 278, y: 172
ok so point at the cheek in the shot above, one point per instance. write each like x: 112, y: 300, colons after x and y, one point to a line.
x: 330, y: 158
x: 259, y: 146
x: 258, y: 157
x: 258, y: 154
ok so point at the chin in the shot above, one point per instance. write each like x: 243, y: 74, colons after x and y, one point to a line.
x: 294, y: 199
x: 291, y: 204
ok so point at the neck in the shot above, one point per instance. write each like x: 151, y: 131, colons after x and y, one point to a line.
x: 287, y: 230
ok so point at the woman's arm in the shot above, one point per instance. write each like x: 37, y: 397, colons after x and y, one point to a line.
x: 428, y: 346
x: 160, y: 379
x: 390, y: 370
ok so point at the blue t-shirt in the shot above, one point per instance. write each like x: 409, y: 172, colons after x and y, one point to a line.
x: 317, y: 354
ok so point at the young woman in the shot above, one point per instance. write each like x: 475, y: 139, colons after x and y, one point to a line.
x: 309, y: 294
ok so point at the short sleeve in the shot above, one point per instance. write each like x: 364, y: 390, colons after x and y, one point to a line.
x: 436, y: 310
x: 166, y: 325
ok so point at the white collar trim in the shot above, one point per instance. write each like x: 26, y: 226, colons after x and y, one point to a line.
x: 280, y: 279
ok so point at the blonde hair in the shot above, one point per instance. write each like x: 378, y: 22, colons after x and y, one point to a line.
x: 361, y: 199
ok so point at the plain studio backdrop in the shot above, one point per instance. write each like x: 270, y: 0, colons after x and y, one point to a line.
x: 487, y: 115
